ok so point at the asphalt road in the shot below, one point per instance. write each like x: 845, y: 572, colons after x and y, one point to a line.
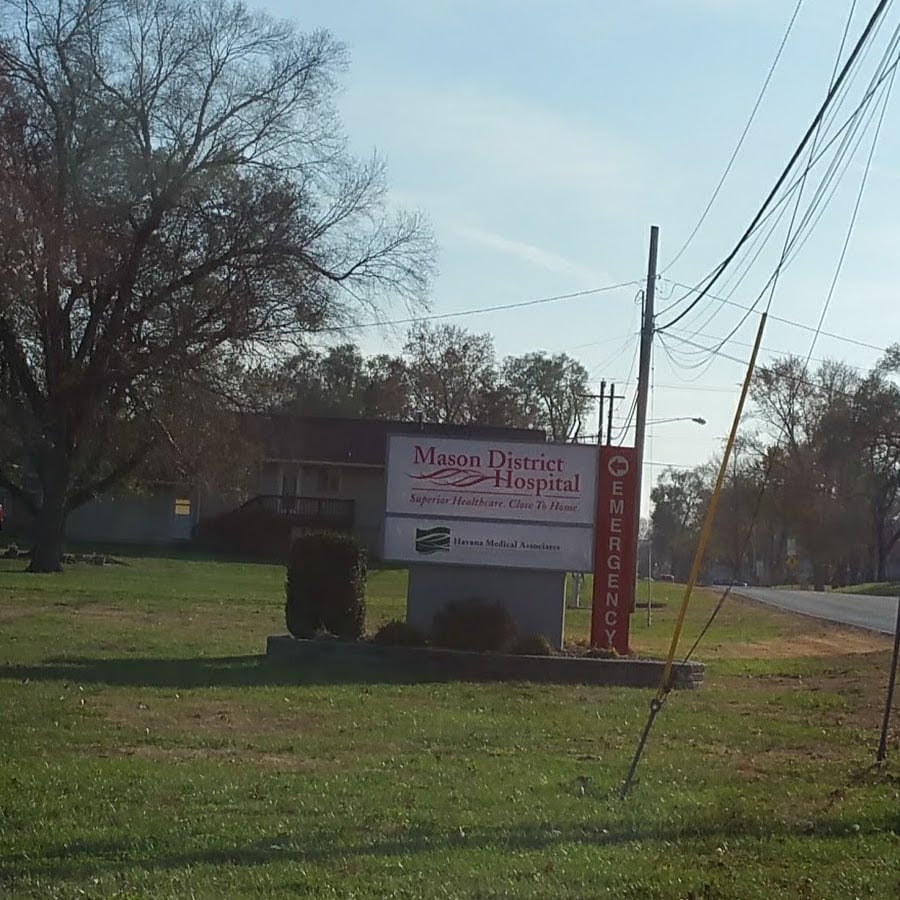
x: 872, y: 613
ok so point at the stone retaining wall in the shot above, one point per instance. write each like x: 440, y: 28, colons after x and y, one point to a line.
x: 429, y: 663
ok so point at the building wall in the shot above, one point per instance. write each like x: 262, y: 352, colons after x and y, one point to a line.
x: 364, y: 485
x: 143, y: 518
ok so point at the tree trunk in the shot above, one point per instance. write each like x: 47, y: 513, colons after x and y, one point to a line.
x: 819, y: 576
x: 881, y: 561
x: 49, y: 532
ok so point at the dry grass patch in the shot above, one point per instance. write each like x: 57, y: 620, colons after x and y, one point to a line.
x: 826, y: 640
x: 281, y: 762
x: 189, y: 716
x: 798, y: 636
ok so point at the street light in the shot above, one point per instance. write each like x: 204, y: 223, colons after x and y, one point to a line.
x: 698, y: 419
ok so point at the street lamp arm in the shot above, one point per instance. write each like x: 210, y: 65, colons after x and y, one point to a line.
x: 698, y: 419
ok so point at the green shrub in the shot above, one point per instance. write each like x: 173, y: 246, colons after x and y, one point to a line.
x: 533, y: 645
x: 474, y: 625
x: 397, y: 633
x: 602, y: 653
x: 326, y: 585
x: 250, y: 531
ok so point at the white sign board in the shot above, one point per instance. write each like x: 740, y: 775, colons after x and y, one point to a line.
x: 490, y: 503
x: 533, y: 482
x: 468, y: 542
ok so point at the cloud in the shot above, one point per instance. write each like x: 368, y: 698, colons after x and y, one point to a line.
x: 536, y: 256
x: 491, y: 144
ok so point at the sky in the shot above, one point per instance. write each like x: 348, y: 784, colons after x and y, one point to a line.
x: 543, y: 139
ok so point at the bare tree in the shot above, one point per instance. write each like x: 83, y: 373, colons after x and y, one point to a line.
x: 174, y: 193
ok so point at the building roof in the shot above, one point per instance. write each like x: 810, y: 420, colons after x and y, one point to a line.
x: 361, y: 442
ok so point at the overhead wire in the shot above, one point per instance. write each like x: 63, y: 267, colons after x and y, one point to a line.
x: 833, y: 90
x: 500, y: 307
x: 743, y: 362
x: 792, y: 242
x: 854, y: 120
x: 856, y: 207
x: 796, y: 242
x: 779, y: 205
x: 842, y: 158
x: 793, y: 323
x: 741, y: 139
x: 772, y: 452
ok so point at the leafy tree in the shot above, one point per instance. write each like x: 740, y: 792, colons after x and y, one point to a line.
x: 549, y: 392
x: 174, y: 192
x: 734, y: 538
x: 679, y: 501
x: 876, y: 454
x: 387, y: 391
x: 451, y: 371
x: 832, y: 466
x: 335, y: 382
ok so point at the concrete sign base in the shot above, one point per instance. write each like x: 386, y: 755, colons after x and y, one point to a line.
x: 535, y: 600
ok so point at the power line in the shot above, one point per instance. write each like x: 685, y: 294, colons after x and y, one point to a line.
x: 743, y: 136
x: 795, y: 243
x: 779, y: 440
x: 793, y: 323
x: 859, y: 196
x: 799, y: 379
x: 830, y: 182
x: 861, y: 42
x: 851, y: 123
x: 500, y: 307
x: 702, y: 348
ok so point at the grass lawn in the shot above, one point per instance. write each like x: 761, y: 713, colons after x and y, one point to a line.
x: 148, y: 750
x: 874, y: 589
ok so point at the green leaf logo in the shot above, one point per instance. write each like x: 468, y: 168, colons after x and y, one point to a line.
x: 433, y: 540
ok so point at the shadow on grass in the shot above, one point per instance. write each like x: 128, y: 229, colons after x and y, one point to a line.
x: 199, y: 672
x: 321, y: 845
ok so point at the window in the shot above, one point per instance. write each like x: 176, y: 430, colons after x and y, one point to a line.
x: 289, y: 483
x: 182, y: 507
x: 329, y: 480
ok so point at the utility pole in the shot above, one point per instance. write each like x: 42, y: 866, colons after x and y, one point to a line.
x: 612, y: 403
x: 613, y: 396
x: 600, y: 413
x: 643, y: 386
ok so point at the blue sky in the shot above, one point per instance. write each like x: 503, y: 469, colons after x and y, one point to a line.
x: 543, y: 139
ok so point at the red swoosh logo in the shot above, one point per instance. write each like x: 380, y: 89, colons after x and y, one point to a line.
x: 450, y: 476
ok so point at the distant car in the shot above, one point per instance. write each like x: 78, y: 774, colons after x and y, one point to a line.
x: 665, y: 578
x: 720, y: 582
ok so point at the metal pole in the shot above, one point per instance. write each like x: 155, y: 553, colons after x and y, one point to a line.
x: 643, y: 386
x: 882, y: 746
x: 600, y: 416
x: 609, y: 415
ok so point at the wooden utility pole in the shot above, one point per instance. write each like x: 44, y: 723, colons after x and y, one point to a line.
x: 643, y: 385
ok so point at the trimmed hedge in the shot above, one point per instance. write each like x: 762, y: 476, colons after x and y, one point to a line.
x: 250, y: 530
x: 325, y: 587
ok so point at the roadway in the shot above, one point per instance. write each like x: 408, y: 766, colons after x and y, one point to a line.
x: 871, y: 613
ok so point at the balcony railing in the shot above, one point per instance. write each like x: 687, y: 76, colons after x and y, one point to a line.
x: 308, y: 510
